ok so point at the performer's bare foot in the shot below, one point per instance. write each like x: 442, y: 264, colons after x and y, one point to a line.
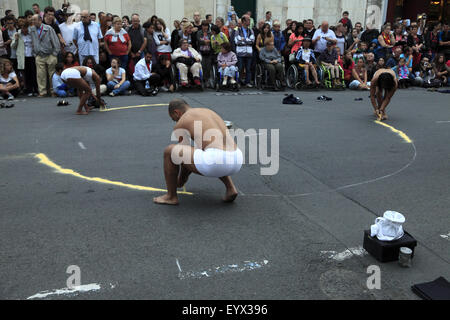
x: 82, y: 113
x: 230, y: 195
x: 165, y: 199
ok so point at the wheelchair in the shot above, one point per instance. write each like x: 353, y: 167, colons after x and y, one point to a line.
x: 327, y: 79
x: 218, y: 80
x: 262, y: 77
x: 296, y: 77
x: 177, y: 79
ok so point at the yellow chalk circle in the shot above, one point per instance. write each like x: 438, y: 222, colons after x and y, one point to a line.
x: 43, y: 159
x: 400, y: 133
x: 135, y: 107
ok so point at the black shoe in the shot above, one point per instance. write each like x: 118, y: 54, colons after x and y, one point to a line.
x: 155, y: 92
x: 290, y: 99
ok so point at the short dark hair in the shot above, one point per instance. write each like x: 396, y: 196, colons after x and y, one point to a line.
x: 35, y: 4
x: 205, y: 23
x: 59, y: 67
x: 49, y: 9
x: 93, y: 14
x: 226, y: 46
x: 268, y: 12
x: 386, y: 81
x: 177, y: 104
x: 215, y: 28
x: 9, y: 18
x: 345, y: 12
x: 28, y: 13
x: 147, y: 25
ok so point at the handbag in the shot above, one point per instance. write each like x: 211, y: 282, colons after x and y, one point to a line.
x: 187, y: 61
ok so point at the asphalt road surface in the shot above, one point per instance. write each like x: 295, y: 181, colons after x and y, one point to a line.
x: 295, y: 235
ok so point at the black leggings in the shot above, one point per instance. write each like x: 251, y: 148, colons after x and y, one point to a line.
x: 154, y: 81
x: 30, y: 76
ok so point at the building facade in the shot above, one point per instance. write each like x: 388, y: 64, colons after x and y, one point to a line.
x: 374, y: 12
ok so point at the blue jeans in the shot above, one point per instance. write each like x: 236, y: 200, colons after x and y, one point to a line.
x: 124, y: 87
x: 63, y: 90
x: 123, y: 61
x: 245, y: 62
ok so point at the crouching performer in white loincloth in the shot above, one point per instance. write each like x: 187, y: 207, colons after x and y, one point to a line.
x: 217, y: 155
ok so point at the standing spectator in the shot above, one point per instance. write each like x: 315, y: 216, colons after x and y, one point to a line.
x: 175, y: 33
x: 3, y: 48
x: 269, y: 18
x: 264, y: 36
x: 37, y: 10
x: 226, y: 61
x: 187, y: 59
x: 329, y: 59
x: 340, y: 37
x: 204, y: 46
x: 93, y: 17
x: 272, y: 59
x: 150, y: 42
x: 46, y: 49
x: 359, y: 75
x: 146, y: 80
x: 252, y: 21
x: 67, y: 29
x: 220, y: 22
x: 444, y: 41
x: 69, y: 60
x: 86, y: 37
x: 197, y: 23
x: 126, y: 22
x: 322, y: 36
x: 8, y: 33
x: 118, y: 43
x: 23, y: 44
x: 278, y: 37
x: 209, y: 18
x: 217, y: 39
x: 9, y: 83
x: 244, y: 41
x: 162, y: 38
x: 309, y: 30
x: 295, y: 40
x: 117, y: 78
x: 358, y: 27
x: 49, y: 19
x: 346, y: 21
x: 138, y: 39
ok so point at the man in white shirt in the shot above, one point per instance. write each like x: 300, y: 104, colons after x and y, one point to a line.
x: 67, y: 29
x: 321, y: 37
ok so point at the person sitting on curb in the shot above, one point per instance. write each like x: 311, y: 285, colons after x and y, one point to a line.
x: 59, y: 87
x: 145, y: 80
x: 117, y: 78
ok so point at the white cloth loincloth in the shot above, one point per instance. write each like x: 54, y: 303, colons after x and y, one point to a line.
x: 216, y: 163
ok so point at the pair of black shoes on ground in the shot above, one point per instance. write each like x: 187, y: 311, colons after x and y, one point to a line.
x: 152, y: 91
x: 290, y: 99
x: 324, y: 98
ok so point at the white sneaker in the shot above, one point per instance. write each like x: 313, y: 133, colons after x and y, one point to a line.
x: 30, y: 94
x: 10, y: 97
x: 233, y: 81
x: 224, y: 83
x: 112, y: 94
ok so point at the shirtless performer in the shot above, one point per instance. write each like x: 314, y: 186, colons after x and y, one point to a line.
x: 383, y: 79
x: 83, y: 79
x: 217, y: 155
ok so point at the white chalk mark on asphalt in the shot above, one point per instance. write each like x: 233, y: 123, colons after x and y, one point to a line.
x: 67, y: 291
x: 81, y: 145
x: 245, y: 266
x: 446, y: 236
x: 179, y: 267
x: 346, y: 254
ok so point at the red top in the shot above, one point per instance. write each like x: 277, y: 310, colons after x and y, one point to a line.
x: 118, y: 48
x: 347, y: 71
x: 75, y: 64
